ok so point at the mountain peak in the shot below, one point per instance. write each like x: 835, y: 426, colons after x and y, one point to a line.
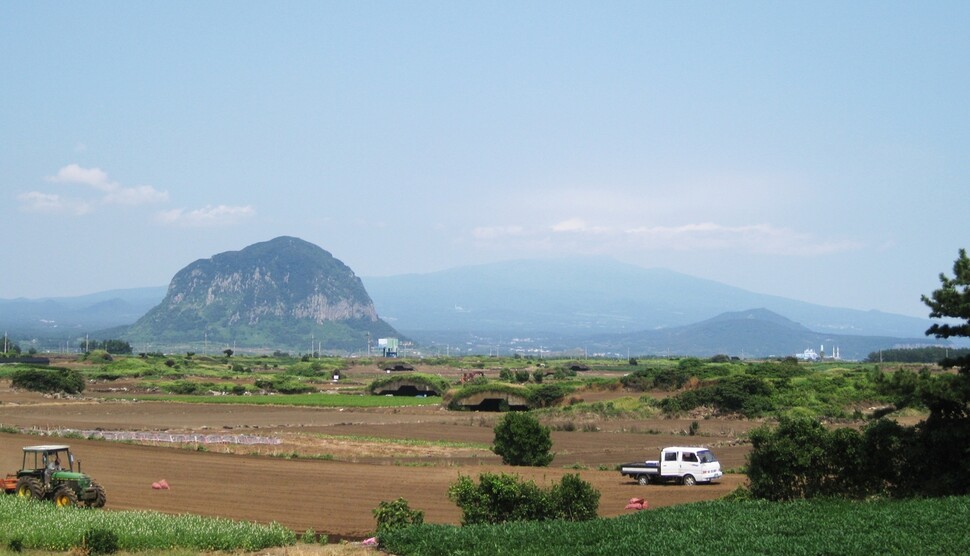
x: 760, y: 314
x: 280, y: 292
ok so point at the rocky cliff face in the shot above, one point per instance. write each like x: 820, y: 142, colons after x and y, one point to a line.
x: 281, y: 292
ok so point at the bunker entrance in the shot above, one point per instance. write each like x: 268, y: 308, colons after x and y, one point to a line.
x: 496, y: 404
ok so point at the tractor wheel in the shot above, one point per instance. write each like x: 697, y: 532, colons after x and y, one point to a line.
x: 30, y: 487
x: 99, y: 498
x: 64, y: 497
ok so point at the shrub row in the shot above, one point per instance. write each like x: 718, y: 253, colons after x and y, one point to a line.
x: 802, y: 459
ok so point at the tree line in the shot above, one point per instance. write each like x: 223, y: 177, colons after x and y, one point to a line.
x: 802, y: 459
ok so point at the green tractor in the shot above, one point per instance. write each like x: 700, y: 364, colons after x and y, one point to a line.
x: 48, y: 473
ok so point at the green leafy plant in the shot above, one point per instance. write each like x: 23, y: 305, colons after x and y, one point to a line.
x: 574, y: 499
x: 396, y: 514
x: 500, y: 498
x: 521, y: 440
x: 100, y: 541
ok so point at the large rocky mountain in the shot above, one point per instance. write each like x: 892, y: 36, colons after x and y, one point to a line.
x: 282, y: 293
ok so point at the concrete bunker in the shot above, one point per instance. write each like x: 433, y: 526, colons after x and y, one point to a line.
x: 406, y: 386
x: 494, y: 400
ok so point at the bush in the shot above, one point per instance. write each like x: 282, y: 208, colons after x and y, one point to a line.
x: 747, y: 395
x: 49, y: 380
x: 396, y: 514
x: 639, y: 380
x: 788, y: 462
x: 546, y: 395
x: 521, y: 440
x: 574, y: 499
x: 802, y: 459
x: 671, y: 379
x: 500, y: 498
x: 100, y: 541
x: 188, y: 388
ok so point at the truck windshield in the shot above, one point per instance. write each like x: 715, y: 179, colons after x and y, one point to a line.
x: 706, y: 456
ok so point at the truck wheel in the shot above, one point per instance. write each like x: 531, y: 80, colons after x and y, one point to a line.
x: 689, y: 480
x: 64, y: 497
x: 30, y: 487
x: 643, y: 479
x: 99, y: 496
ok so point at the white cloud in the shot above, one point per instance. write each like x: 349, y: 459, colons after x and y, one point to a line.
x: 95, y: 177
x: 209, y: 216
x: 755, y: 238
x: 138, y: 195
x: 114, y: 193
x: 578, y: 235
x: 51, y: 203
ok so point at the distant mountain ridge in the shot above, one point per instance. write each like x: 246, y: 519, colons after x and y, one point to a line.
x: 755, y: 333
x: 58, y: 317
x: 594, y: 296
x: 594, y: 304
x: 283, y: 292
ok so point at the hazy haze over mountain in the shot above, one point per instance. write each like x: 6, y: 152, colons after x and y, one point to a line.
x: 591, y: 296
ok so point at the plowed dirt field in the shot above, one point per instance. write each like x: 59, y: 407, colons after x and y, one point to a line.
x: 348, y: 460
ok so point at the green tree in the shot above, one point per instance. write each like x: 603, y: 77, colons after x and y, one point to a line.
x: 574, y: 499
x: 788, y: 462
x: 944, y: 437
x: 521, y: 440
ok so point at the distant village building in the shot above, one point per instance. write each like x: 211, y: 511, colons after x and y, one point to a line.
x: 812, y: 355
x: 389, y: 346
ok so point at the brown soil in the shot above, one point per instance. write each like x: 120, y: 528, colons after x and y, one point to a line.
x: 348, y: 459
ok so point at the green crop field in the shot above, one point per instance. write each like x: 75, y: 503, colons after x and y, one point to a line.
x: 43, y: 526
x: 924, y: 526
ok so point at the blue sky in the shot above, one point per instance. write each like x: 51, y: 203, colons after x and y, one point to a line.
x: 816, y: 150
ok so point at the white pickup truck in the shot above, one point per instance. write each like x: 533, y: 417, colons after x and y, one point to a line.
x: 685, y: 464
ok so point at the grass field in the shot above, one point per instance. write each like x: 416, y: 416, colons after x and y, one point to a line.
x: 926, y: 526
